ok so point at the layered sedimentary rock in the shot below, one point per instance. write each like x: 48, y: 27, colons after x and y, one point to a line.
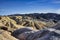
x: 46, y: 34
x: 16, y: 22
x: 30, y: 27
x: 5, y: 35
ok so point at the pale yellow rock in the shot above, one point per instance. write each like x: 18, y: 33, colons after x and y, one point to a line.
x: 4, y: 35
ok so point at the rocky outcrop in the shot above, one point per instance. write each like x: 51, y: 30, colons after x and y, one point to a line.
x: 9, y: 23
x: 46, y: 34
x: 5, y: 35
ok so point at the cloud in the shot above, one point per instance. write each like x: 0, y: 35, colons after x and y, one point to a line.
x: 36, y: 1
x: 50, y: 11
x: 58, y: 11
x: 56, y: 1
x: 1, y: 10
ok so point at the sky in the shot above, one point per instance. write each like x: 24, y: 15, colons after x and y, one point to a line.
x: 29, y: 6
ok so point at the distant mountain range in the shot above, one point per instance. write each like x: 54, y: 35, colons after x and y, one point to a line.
x: 47, y: 16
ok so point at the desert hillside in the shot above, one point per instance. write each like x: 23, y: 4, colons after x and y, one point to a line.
x: 35, y: 21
